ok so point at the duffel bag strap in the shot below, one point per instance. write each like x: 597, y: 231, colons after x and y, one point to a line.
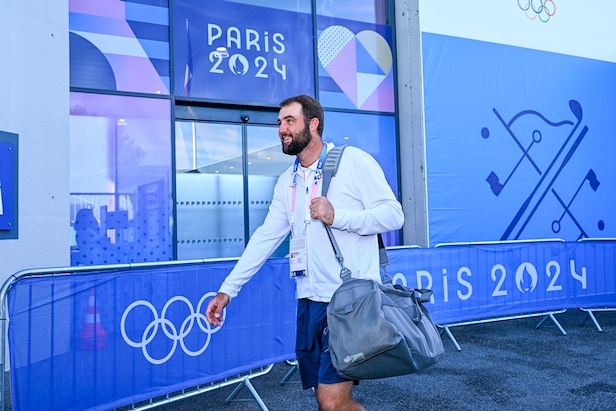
x: 330, y: 168
x: 383, y: 261
x: 344, y: 272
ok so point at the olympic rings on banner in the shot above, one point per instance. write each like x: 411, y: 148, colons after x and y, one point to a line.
x: 169, y: 329
x: 541, y: 9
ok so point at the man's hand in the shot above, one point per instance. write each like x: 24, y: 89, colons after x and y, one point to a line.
x: 213, y: 312
x: 322, y: 209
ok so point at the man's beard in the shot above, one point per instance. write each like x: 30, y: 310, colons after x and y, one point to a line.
x: 298, y: 143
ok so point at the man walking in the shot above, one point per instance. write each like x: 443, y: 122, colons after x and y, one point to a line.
x: 359, y: 205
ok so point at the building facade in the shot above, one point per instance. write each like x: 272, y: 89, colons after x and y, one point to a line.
x: 156, y: 136
x: 145, y: 130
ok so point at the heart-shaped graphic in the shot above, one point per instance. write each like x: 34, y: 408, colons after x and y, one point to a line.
x: 357, y: 63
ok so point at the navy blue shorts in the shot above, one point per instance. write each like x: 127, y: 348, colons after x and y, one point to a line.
x: 311, y: 345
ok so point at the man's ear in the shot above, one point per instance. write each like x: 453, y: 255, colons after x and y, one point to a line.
x: 314, y: 123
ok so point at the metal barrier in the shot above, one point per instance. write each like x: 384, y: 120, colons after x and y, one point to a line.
x: 446, y: 328
x: 590, y: 312
x: 241, y: 378
x: 257, y: 315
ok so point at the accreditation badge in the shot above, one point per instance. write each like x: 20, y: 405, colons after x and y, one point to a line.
x: 297, y: 259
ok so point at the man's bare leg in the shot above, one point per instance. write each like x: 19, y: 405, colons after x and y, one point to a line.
x: 337, y: 397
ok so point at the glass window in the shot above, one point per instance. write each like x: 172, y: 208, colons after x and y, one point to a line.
x: 367, y: 11
x: 120, y: 45
x: 209, y: 187
x: 302, y: 6
x: 355, y: 54
x: 266, y: 162
x: 376, y: 134
x: 224, y: 193
x: 120, y: 168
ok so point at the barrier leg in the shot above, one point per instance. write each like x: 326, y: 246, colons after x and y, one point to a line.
x: 446, y: 330
x: 554, y: 320
x: 246, y: 383
x: 286, y: 379
x: 591, y: 315
x: 2, y: 354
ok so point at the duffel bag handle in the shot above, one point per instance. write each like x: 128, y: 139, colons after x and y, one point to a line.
x: 424, y: 294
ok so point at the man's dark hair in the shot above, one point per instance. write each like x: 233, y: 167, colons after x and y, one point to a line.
x: 311, y: 108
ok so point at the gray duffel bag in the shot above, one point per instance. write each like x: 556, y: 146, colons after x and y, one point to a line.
x: 377, y: 330
x: 380, y: 330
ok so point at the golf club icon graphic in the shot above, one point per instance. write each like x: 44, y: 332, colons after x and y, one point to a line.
x: 547, y: 174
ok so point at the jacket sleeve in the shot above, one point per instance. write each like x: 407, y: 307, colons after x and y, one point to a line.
x: 363, y: 201
x: 263, y: 242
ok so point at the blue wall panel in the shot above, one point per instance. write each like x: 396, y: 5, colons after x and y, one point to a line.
x: 519, y: 142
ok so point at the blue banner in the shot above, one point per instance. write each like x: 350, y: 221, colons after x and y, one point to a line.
x: 239, y: 52
x: 111, y: 338
x: 519, y: 142
x: 103, y: 340
x: 471, y: 282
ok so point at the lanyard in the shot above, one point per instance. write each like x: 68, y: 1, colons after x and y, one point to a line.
x: 317, y: 176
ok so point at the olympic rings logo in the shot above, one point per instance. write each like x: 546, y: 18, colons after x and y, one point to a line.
x: 538, y: 9
x: 168, y: 328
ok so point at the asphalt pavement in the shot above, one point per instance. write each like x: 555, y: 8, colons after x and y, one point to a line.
x: 503, y: 365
